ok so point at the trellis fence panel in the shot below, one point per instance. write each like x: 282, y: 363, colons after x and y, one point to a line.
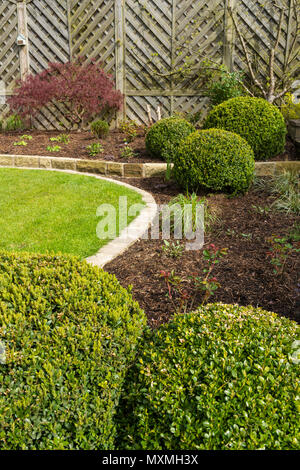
x: 147, y: 45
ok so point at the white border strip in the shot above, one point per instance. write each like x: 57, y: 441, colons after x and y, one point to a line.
x: 130, y: 234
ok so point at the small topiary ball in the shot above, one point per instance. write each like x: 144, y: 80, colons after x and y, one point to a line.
x: 259, y: 122
x: 164, y: 136
x: 222, y: 377
x: 214, y: 159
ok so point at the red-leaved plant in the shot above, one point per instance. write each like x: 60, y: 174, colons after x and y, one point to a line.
x: 84, y: 88
x: 183, y: 294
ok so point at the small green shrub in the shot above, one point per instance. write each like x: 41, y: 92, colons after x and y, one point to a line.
x: 224, y: 377
x: 95, y: 149
x: 260, y: 123
x: 69, y: 331
x: 193, y: 201
x: 127, y: 152
x: 14, y: 123
x: 285, y: 187
x: 214, y: 159
x: 100, y: 129
x: 164, y: 136
x: 225, y: 86
x: 62, y: 138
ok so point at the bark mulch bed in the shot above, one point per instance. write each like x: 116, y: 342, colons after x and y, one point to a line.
x: 77, y: 148
x: 246, y: 274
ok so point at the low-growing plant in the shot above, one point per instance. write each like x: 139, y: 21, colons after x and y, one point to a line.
x: 70, y: 332
x: 62, y: 138
x: 95, y: 149
x: 261, y: 210
x: 223, y: 377
x: 20, y: 143
x: 290, y: 109
x: 164, y: 136
x: 53, y: 148
x: 100, y: 128
x: 193, y: 201
x: 224, y: 86
x: 285, y: 187
x: 14, y: 123
x: 183, y: 292
x: 295, y: 232
x: 26, y: 137
x: 280, y: 250
x: 127, y: 152
x: 173, y: 249
x: 130, y: 129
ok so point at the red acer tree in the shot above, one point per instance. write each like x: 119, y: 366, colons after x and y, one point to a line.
x: 84, y: 88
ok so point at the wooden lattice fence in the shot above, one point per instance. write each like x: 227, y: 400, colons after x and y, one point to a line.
x: 142, y: 43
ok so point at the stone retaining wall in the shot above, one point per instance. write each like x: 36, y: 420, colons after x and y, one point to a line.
x: 127, y: 170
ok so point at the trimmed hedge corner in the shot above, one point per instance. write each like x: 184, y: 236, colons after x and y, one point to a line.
x: 69, y: 331
x: 214, y: 159
x: 223, y: 377
x: 254, y: 119
x: 164, y: 136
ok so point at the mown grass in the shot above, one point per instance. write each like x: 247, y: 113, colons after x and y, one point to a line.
x: 54, y: 212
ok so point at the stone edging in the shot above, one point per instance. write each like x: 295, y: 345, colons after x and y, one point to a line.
x: 130, y: 234
x: 125, y: 170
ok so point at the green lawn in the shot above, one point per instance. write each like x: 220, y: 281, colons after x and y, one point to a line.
x: 44, y: 211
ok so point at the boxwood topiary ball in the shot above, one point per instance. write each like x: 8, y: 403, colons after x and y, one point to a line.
x: 165, y: 135
x: 214, y: 159
x: 259, y: 122
x: 222, y: 377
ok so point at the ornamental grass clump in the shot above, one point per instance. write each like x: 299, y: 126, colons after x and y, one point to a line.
x: 165, y: 135
x: 260, y: 123
x: 223, y: 377
x: 69, y: 331
x: 216, y: 160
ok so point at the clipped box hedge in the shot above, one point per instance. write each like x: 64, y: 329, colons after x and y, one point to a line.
x: 165, y: 135
x: 69, y: 331
x: 223, y: 377
x: 214, y: 159
x: 260, y: 123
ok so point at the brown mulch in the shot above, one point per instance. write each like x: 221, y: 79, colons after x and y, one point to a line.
x: 246, y: 274
x: 77, y: 148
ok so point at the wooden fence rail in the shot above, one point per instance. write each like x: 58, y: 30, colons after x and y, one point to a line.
x: 142, y: 43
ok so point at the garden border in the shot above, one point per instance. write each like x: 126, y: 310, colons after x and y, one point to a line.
x: 129, y: 235
x: 125, y: 170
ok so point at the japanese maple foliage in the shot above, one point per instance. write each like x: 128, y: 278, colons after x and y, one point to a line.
x: 84, y: 88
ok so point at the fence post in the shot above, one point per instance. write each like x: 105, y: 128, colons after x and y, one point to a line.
x: 23, y: 31
x: 288, y: 33
x: 229, y: 35
x: 120, y: 53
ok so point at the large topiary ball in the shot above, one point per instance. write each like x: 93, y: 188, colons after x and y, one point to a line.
x: 254, y: 119
x: 224, y: 377
x: 164, y: 137
x: 69, y: 332
x: 214, y: 159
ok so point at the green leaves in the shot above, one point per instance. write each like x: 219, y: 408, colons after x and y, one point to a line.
x: 260, y: 123
x: 230, y: 381
x: 214, y: 159
x: 165, y: 135
x: 69, y: 332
